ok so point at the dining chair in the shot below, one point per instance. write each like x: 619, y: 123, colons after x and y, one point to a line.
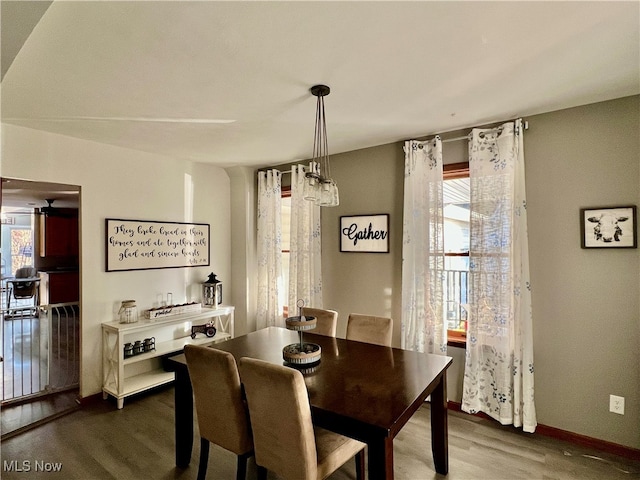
x: 285, y: 440
x: 222, y: 414
x: 326, y: 320
x: 370, y: 329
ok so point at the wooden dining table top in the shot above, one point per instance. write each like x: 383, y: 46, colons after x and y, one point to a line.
x: 375, y: 386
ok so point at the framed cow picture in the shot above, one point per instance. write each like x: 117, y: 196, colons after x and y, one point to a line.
x: 609, y: 227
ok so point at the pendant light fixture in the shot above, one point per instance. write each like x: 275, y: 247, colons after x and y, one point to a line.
x: 320, y: 187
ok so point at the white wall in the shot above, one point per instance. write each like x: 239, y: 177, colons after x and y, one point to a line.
x: 243, y: 254
x: 122, y: 183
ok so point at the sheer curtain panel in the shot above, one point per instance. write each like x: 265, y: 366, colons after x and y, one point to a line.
x: 305, y: 264
x: 423, y: 327
x: 498, y: 377
x: 269, y: 308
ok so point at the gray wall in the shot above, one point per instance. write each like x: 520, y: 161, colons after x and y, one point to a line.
x: 585, y: 302
x: 370, y: 181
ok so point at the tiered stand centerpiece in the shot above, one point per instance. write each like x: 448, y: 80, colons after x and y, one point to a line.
x: 301, y: 354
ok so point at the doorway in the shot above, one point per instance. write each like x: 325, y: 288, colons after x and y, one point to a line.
x: 40, y: 314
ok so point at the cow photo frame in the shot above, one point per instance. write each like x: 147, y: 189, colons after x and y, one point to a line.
x: 609, y: 227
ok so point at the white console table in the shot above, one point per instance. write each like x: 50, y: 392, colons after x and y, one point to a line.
x: 123, y: 377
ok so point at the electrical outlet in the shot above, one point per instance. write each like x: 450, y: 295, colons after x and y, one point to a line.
x: 616, y: 404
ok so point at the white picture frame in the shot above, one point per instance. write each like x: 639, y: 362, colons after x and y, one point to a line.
x: 364, y: 233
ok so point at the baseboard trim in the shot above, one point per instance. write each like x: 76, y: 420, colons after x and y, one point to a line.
x: 575, y: 438
x: 90, y: 399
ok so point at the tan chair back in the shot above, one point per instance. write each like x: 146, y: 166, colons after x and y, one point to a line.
x: 222, y: 414
x: 283, y: 434
x: 370, y: 329
x: 327, y: 320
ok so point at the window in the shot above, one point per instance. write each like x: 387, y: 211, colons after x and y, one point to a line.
x: 17, y: 240
x: 285, y: 223
x: 456, y: 245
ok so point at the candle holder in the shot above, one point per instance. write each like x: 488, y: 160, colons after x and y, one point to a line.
x: 301, y: 353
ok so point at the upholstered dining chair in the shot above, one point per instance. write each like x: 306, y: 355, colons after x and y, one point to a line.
x: 286, y: 442
x: 370, y: 329
x: 222, y: 413
x: 326, y: 320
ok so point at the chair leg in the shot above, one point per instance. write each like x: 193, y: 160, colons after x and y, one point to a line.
x: 360, y: 463
x: 241, y: 471
x: 262, y: 473
x: 204, y: 458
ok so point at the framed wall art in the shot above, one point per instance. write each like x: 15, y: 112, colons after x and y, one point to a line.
x: 146, y: 244
x: 609, y: 227
x: 364, y: 233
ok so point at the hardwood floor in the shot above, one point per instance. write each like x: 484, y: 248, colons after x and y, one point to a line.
x: 101, y: 442
x: 17, y: 418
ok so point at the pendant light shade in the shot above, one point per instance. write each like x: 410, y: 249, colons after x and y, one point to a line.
x: 320, y: 187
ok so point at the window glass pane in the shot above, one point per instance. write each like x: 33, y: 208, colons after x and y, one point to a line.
x: 285, y: 224
x: 21, y: 249
x: 456, y: 241
x: 284, y: 294
x: 456, y: 263
x: 456, y: 215
x: 455, y: 296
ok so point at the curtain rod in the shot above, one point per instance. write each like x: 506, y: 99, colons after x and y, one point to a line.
x: 455, y: 139
x: 281, y: 173
x: 525, y: 126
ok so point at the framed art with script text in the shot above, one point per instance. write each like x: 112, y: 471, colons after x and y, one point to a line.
x: 364, y: 233
x: 145, y: 244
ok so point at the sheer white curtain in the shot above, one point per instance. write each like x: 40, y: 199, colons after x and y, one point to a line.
x: 305, y: 263
x: 423, y: 327
x: 269, y: 308
x: 498, y: 377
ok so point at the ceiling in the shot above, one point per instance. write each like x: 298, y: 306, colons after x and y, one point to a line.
x: 227, y: 83
x: 19, y: 196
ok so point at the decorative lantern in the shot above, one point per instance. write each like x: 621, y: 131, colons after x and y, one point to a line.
x: 212, y: 292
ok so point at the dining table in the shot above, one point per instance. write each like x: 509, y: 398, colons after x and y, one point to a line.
x: 360, y: 390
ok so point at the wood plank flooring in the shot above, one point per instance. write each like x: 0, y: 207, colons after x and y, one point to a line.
x: 100, y: 442
x: 16, y: 418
